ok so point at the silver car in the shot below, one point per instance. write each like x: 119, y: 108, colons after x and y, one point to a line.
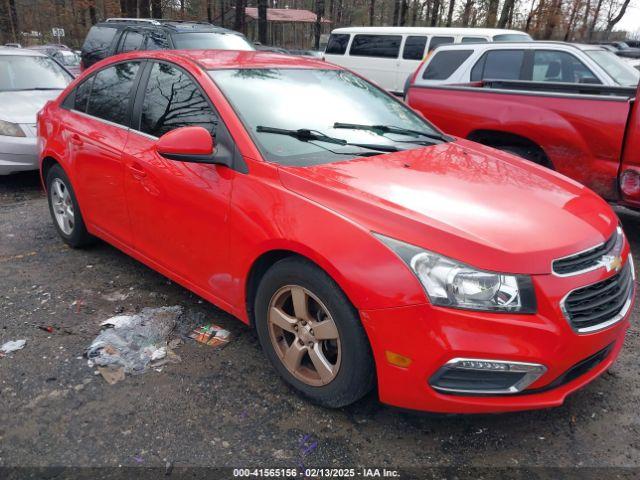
x: 28, y: 79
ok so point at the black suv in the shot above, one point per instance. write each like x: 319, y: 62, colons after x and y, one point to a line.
x: 120, y: 35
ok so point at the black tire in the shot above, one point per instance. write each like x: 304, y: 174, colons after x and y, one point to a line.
x: 356, y: 374
x: 78, y: 236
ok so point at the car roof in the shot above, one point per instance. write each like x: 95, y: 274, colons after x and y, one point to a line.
x: 504, y: 45
x: 427, y: 30
x: 177, y: 26
x: 228, y: 59
x: 22, y: 52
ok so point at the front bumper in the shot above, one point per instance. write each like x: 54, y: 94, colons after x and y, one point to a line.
x: 432, y: 336
x: 18, y: 154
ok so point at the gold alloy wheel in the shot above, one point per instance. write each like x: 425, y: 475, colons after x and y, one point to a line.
x: 304, y: 335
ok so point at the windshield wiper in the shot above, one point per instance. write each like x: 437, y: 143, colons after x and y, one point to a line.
x: 306, y: 135
x: 382, y: 129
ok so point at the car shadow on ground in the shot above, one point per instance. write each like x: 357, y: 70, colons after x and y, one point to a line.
x: 20, y: 186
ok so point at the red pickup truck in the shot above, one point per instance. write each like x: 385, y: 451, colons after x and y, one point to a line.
x: 590, y: 133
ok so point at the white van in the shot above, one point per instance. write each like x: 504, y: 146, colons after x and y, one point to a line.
x: 388, y: 55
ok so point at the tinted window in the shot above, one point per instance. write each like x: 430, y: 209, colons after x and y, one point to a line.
x: 414, y: 48
x: 474, y: 40
x: 549, y: 66
x: 337, y: 44
x: 445, y: 63
x: 503, y: 65
x: 97, y: 44
x: 384, y: 46
x: 131, y: 41
x: 172, y: 100
x: 436, y: 41
x: 156, y: 41
x: 82, y: 95
x: 111, y: 92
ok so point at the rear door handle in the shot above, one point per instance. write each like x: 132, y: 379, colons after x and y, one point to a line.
x: 137, y: 171
x: 75, y: 139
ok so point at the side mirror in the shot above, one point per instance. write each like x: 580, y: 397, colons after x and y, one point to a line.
x: 187, y: 144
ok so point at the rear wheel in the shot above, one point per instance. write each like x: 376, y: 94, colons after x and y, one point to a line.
x: 312, y: 334
x: 527, y: 153
x: 64, y: 210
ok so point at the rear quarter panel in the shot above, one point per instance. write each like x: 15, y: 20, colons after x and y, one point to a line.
x: 581, y: 135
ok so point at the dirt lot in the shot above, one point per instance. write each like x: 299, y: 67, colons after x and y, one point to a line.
x: 227, y: 407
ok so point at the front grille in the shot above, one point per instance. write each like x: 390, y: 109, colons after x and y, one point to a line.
x: 584, y: 260
x: 576, y: 371
x: 601, y: 304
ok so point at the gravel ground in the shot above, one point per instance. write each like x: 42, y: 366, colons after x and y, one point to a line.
x: 227, y: 407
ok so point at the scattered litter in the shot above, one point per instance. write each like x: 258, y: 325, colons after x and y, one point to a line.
x: 159, y: 354
x: 112, y: 375
x: 50, y: 328
x: 134, y: 343
x: 115, y: 297
x: 211, y: 335
x: 12, y: 346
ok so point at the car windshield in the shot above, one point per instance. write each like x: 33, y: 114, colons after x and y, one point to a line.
x: 619, y: 71
x: 19, y: 72
x: 68, y: 59
x: 288, y: 111
x: 210, y: 40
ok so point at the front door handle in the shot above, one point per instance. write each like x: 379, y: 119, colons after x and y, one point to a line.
x: 137, y: 171
x: 75, y: 139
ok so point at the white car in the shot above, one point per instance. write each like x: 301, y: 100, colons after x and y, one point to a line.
x: 28, y: 79
x: 387, y: 55
x: 556, y: 62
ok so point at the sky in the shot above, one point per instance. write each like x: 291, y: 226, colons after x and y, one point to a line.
x: 631, y: 19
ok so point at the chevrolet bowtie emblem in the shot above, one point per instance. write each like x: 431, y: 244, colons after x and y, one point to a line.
x: 611, y: 262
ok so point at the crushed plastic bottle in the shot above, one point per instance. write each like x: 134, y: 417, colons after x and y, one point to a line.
x: 134, y: 341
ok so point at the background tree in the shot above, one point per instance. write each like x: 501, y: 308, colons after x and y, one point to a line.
x: 262, y: 21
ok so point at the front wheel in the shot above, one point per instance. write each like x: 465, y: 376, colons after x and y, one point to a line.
x: 64, y: 209
x: 312, y: 334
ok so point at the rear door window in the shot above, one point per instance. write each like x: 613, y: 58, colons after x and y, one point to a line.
x: 444, y: 63
x: 499, y: 65
x: 337, y: 44
x: 414, y: 48
x: 437, y: 41
x: 82, y: 95
x: 156, y: 40
x: 552, y: 66
x: 172, y: 100
x: 111, y: 92
x: 97, y: 44
x: 131, y: 41
x: 382, y: 46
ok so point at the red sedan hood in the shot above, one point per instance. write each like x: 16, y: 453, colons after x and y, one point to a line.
x: 468, y: 202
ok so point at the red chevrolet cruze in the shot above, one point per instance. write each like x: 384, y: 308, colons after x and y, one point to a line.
x: 365, y: 246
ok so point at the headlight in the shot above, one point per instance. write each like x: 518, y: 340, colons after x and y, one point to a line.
x: 9, y: 129
x: 452, y: 284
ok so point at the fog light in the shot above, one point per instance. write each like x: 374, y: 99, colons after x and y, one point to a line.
x: 630, y: 183
x: 472, y: 376
x: 397, y: 359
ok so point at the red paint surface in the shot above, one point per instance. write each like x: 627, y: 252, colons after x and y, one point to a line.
x: 205, y: 226
x: 582, y: 137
